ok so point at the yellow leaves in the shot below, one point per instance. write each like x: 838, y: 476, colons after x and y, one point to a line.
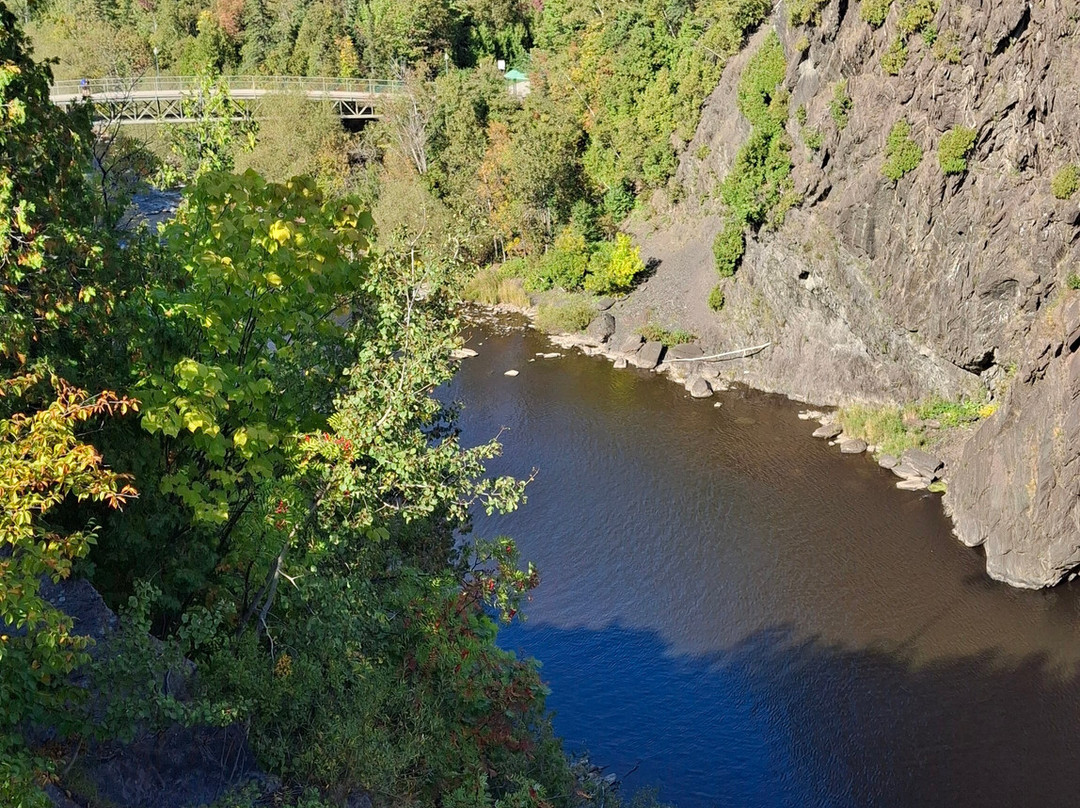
x: 280, y: 231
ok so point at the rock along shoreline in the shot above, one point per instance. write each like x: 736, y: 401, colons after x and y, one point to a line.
x: 702, y: 376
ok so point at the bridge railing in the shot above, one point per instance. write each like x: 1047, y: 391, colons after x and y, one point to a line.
x: 188, y: 84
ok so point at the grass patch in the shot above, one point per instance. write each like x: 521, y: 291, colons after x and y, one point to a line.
x: 892, y: 429
x: 569, y: 314
x: 494, y: 285
x: 1073, y: 281
x: 667, y: 336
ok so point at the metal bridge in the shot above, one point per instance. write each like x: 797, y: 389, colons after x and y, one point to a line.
x: 175, y: 99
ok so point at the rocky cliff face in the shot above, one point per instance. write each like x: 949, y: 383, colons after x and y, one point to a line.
x: 890, y: 291
x: 1016, y: 487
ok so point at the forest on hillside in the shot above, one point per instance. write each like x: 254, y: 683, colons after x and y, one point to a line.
x: 228, y: 426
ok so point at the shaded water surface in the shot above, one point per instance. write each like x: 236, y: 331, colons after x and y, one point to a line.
x: 735, y: 613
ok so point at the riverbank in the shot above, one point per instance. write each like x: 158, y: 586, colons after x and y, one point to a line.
x: 702, y: 372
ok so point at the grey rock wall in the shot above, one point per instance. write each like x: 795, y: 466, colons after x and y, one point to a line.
x: 1016, y: 487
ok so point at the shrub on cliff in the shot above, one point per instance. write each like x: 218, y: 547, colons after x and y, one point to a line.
x: 894, y: 59
x: 728, y: 248
x: 801, y: 12
x: 954, y: 148
x: 875, y: 11
x: 1066, y: 182
x: 716, y: 298
x: 902, y: 154
x: 841, y: 105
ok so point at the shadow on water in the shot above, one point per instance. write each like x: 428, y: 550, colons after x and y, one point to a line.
x: 776, y: 721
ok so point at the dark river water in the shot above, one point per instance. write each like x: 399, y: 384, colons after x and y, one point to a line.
x: 732, y: 612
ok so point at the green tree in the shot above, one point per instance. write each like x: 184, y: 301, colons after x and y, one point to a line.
x: 242, y: 350
x: 56, y: 290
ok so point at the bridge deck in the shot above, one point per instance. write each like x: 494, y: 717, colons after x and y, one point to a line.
x: 165, y: 99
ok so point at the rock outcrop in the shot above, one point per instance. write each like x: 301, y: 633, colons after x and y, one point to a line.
x: 1016, y: 488
x: 875, y: 290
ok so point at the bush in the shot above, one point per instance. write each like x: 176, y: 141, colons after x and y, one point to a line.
x: 614, y: 266
x: 1073, y: 281
x: 563, y: 266
x: 902, y: 154
x: 813, y: 138
x: 894, y: 59
x: 1066, y: 182
x: 570, y: 314
x: 947, y: 48
x: 893, y: 428
x: 716, y: 298
x: 728, y: 248
x: 954, y: 148
x: 875, y: 11
x: 841, y: 105
x: 917, y: 15
x: 801, y: 12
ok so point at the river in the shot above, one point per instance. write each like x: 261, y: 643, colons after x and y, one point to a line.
x: 736, y: 614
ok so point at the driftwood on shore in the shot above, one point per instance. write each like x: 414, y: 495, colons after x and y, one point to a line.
x: 740, y: 353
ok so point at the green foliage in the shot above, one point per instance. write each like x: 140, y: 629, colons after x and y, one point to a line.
x: 301, y: 138
x: 813, y: 138
x: 757, y: 95
x: 894, y: 59
x: 902, y: 153
x: 801, y: 12
x: 208, y: 144
x: 614, y: 266
x: 56, y: 263
x: 728, y: 247
x: 946, y: 47
x: 655, y: 332
x: 563, y: 266
x: 1066, y: 181
x: 757, y: 191
x: 954, y: 148
x: 875, y: 11
x: 243, y: 348
x: 1073, y: 281
x: 841, y: 105
x: 917, y: 15
x: 568, y: 314
x: 716, y: 298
